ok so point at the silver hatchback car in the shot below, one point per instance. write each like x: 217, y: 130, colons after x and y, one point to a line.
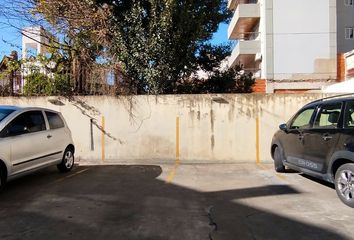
x: 31, y: 139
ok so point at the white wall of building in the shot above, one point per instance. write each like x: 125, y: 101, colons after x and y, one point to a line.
x: 303, y: 40
x: 34, y: 39
x: 266, y: 29
x: 298, y: 43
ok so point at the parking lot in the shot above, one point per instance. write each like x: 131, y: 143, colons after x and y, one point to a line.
x: 240, y: 201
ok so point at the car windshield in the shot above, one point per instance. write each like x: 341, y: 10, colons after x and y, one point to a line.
x: 5, y: 112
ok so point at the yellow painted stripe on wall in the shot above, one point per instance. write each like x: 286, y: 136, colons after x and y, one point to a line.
x: 103, y: 154
x: 258, y: 159
x: 177, y: 140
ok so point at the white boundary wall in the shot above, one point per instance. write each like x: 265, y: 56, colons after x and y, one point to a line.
x: 142, y: 129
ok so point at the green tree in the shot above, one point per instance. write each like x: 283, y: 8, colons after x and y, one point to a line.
x: 156, y: 44
x: 159, y: 42
x: 13, y: 66
x: 231, y: 80
x: 46, y: 76
x: 82, y: 28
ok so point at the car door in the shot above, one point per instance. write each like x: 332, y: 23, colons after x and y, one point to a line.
x: 57, y: 137
x: 322, y: 138
x: 292, y: 140
x: 27, y: 138
x: 346, y: 140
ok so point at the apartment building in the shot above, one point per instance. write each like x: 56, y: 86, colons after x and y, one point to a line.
x: 292, y: 46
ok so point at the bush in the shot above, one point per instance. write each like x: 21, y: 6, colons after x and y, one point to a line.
x: 36, y: 84
x: 39, y: 84
x: 61, y: 85
x: 234, y: 80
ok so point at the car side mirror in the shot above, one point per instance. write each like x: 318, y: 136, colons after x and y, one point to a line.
x: 283, y: 127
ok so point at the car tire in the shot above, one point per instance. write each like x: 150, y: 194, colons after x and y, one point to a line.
x: 2, y: 179
x: 67, y: 162
x: 344, y: 184
x: 278, y: 160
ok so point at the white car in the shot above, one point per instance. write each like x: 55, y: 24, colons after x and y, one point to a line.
x: 31, y: 139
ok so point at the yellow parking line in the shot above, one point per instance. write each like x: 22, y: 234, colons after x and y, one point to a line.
x: 280, y: 176
x: 262, y: 166
x: 172, y: 174
x: 70, y: 176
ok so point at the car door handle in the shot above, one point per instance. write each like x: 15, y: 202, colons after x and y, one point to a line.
x: 49, y: 136
x: 327, y: 137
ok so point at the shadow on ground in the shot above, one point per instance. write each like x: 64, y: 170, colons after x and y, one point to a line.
x: 129, y: 202
x: 322, y: 182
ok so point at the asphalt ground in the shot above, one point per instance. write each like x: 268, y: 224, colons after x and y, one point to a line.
x: 241, y: 201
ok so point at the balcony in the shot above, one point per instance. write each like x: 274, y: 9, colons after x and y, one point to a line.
x: 245, y: 18
x: 247, y: 53
x: 232, y: 4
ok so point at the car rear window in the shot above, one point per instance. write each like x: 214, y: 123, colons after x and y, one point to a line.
x: 54, y: 120
x: 4, y: 113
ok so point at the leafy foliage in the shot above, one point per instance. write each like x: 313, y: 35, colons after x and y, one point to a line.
x: 46, y: 77
x: 152, y: 46
x: 39, y: 84
x: 36, y: 84
x: 159, y: 42
x: 232, y: 80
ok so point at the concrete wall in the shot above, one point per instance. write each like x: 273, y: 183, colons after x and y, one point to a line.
x: 142, y: 129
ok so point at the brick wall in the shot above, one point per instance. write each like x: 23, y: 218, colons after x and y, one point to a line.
x: 340, y: 67
x: 260, y: 86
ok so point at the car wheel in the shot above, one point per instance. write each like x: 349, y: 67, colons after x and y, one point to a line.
x: 2, y: 179
x: 68, y: 161
x: 278, y: 161
x: 344, y: 183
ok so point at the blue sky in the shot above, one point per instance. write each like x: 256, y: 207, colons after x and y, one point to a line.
x: 8, y: 35
x: 10, y: 39
x: 220, y: 36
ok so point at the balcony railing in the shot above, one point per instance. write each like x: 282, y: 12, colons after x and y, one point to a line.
x: 247, y: 51
x: 247, y: 36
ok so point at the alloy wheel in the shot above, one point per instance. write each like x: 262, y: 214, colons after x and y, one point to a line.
x: 345, y: 184
x: 69, y: 159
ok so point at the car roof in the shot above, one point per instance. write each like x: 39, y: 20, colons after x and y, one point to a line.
x: 332, y: 99
x: 5, y: 107
x: 18, y: 108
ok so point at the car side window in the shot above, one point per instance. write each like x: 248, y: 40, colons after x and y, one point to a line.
x: 28, y: 122
x: 328, y: 116
x: 303, y: 119
x: 349, y: 115
x: 54, y: 120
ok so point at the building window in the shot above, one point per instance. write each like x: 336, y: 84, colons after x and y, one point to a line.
x: 349, y: 33
x: 349, y: 2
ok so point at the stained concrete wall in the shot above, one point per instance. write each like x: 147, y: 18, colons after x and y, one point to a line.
x: 142, y: 129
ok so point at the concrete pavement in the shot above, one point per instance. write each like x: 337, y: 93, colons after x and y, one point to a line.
x: 239, y: 201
